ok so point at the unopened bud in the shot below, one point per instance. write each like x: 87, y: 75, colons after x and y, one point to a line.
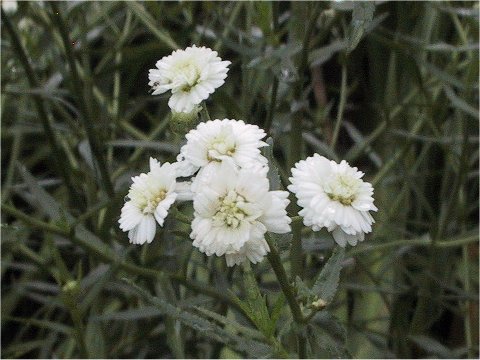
x: 182, y: 122
x: 71, y: 287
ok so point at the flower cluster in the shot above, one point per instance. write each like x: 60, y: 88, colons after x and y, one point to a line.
x: 233, y: 205
x: 225, y: 176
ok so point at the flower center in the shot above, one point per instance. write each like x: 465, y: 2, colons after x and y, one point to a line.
x: 342, y: 189
x: 230, y: 211
x: 219, y: 148
x: 152, y: 203
x: 186, y: 77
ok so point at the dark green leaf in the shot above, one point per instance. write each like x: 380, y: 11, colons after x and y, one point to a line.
x: 327, y: 282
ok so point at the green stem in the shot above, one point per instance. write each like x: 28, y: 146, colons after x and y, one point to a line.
x: 271, y: 109
x: 87, y: 118
x: 273, y: 98
x: 296, y: 219
x: 296, y: 141
x: 79, y: 326
x: 62, y: 166
x: 204, y: 113
x: 296, y: 252
x: 140, y: 150
x: 393, y: 160
x: 276, y: 263
x: 302, y: 347
x: 467, y: 288
x: 341, y: 107
x: 180, y: 217
x: 7, y: 185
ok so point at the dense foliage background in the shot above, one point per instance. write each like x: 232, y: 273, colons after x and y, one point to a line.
x: 391, y: 87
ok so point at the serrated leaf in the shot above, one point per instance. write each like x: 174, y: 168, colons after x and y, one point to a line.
x: 323, y: 345
x: 303, y: 291
x: 250, y: 332
x: 283, y: 241
x: 361, y: 17
x: 327, y: 282
x: 277, y: 310
x: 327, y: 321
x: 206, y: 328
x: 256, y: 305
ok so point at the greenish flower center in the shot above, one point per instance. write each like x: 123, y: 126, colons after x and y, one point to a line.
x: 230, y: 211
x: 343, y: 189
x: 151, y: 204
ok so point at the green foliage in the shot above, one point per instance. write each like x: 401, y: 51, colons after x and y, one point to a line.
x: 255, y: 306
x: 362, y: 16
x: 327, y: 281
x: 390, y: 87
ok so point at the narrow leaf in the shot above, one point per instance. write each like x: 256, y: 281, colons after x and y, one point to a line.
x: 361, y: 18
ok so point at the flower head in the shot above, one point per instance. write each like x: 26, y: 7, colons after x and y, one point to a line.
x: 217, y: 141
x: 150, y: 197
x: 234, y: 212
x: 333, y: 196
x: 9, y: 6
x: 191, y: 75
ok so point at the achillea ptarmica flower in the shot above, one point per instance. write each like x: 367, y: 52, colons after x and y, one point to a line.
x: 234, y: 212
x: 149, y: 199
x: 217, y: 141
x: 333, y: 196
x: 9, y: 6
x: 191, y: 75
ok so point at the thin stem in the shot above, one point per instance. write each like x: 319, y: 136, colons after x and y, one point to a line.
x: 341, y: 107
x: 204, y: 113
x: 273, y: 98
x: 416, y: 242
x: 62, y: 166
x: 302, y: 347
x: 296, y: 141
x: 87, y: 119
x: 467, y: 288
x: 7, y: 185
x: 296, y: 219
x: 180, y: 217
x: 296, y: 252
x: 275, y: 261
x: 271, y: 109
x: 229, y: 26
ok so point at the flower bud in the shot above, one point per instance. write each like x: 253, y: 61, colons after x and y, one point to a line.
x: 182, y: 122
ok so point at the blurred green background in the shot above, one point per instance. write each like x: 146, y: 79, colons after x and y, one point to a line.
x: 392, y: 87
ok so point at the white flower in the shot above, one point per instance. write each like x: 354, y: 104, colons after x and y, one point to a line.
x: 191, y: 75
x: 217, y: 141
x: 333, y: 196
x: 150, y: 197
x: 233, y: 213
x: 9, y: 6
